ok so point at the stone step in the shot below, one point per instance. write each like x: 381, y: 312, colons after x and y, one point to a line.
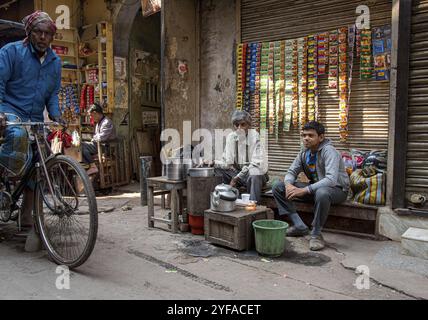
x: 415, y: 242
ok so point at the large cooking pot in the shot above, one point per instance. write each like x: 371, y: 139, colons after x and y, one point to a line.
x: 223, y: 198
x: 201, y: 172
x: 177, y: 169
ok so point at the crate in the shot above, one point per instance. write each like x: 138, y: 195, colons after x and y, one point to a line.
x: 234, y: 229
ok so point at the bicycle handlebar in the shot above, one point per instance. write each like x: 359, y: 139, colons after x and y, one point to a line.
x: 52, y: 123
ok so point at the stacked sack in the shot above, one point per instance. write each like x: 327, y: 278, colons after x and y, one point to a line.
x: 367, y: 172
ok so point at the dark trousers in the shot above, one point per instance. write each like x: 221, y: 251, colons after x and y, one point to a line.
x: 89, y: 149
x: 253, y: 183
x: 323, y: 199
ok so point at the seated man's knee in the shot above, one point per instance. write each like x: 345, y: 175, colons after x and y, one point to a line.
x: 322, y: 194
x: 17, y: 134
x: 278, y: 188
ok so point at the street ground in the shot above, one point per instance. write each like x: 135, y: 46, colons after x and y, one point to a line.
x: 131, y: 261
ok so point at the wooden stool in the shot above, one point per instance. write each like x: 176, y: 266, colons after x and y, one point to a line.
x: 166, y: 186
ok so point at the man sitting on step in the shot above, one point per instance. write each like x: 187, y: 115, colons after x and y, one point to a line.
x: 329, y: 183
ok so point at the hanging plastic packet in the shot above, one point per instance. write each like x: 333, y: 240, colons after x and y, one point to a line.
x: 75, y: 139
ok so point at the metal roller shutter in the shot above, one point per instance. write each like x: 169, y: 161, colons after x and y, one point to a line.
x: 417, y: 150
x: 270, y: 20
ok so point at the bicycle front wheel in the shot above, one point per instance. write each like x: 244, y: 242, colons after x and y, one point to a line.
x: 66, y: 212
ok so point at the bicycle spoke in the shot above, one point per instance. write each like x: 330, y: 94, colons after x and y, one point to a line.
x: 70, y: 235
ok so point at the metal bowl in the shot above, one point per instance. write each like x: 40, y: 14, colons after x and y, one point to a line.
x: 201, y: 172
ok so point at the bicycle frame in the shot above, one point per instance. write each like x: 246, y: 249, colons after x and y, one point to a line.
x: 56, y: 201
x: 37, y: 161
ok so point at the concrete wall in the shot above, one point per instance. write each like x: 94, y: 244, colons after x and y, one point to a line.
x: 145, y: 37
x: 95, y: 11
x: 181, y: 42
x: 217, y: 95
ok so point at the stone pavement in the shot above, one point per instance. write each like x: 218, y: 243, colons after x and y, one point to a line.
x: 131, y: 261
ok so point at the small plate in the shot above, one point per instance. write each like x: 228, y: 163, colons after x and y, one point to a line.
x: 241, y: 203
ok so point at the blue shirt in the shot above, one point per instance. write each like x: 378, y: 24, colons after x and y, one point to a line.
x: 311, y: 162
x: 26, y: 85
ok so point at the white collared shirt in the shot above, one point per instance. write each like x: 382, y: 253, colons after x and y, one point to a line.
x: 43, y: 58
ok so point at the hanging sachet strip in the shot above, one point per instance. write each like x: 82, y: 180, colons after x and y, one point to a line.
x: 253, y: 84
x: 358, y: 41
x: 289, y: 73
x: 316, y: 91
x: 295, y: 83
x: 271, y: 87
x: 323, y: 53
x: 247, y: 74
x: 277, y: 85
x: 381, y: 52
x: 366, y: 69
x: 343, y: 83
x: 352, y: 29
x: 312, y: 77
x: 282, y: 88
x: 303, y: 77
x: 333, y: 59
x: 244, y: 70
x: 264, y: 82
x: 239, y: 71
x: 257, y: 50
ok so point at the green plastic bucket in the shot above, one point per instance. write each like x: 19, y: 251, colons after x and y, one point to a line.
x: 270, y: 237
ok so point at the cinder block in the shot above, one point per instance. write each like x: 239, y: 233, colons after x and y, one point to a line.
x: 415, y: 242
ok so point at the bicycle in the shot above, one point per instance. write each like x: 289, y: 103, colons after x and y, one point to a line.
x: 65, y: 210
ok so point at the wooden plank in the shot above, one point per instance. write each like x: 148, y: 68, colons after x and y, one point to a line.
x: 174, y: 210
x: 133, y: 157
x: 169, y: 222
x: 139, y: 141
x: 150, y: 207
x: 346, y: 210
x: 127, y: 161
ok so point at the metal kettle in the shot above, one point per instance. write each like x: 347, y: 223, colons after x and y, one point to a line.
x: 223, y: 198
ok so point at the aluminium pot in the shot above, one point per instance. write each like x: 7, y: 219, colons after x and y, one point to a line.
x: 201, y: 172
x: 174, y: 169
x: 177, y: 169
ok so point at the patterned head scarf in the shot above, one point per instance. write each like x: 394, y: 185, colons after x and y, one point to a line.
x: 34, y: 19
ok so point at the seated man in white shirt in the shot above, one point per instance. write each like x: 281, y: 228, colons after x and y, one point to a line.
x: 104, y: 132
x: 243, y: 162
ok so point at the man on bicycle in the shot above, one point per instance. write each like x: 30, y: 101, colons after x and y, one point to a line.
x: 30, y: 78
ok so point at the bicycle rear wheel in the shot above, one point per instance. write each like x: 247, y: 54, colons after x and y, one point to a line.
x: 66, y: 213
